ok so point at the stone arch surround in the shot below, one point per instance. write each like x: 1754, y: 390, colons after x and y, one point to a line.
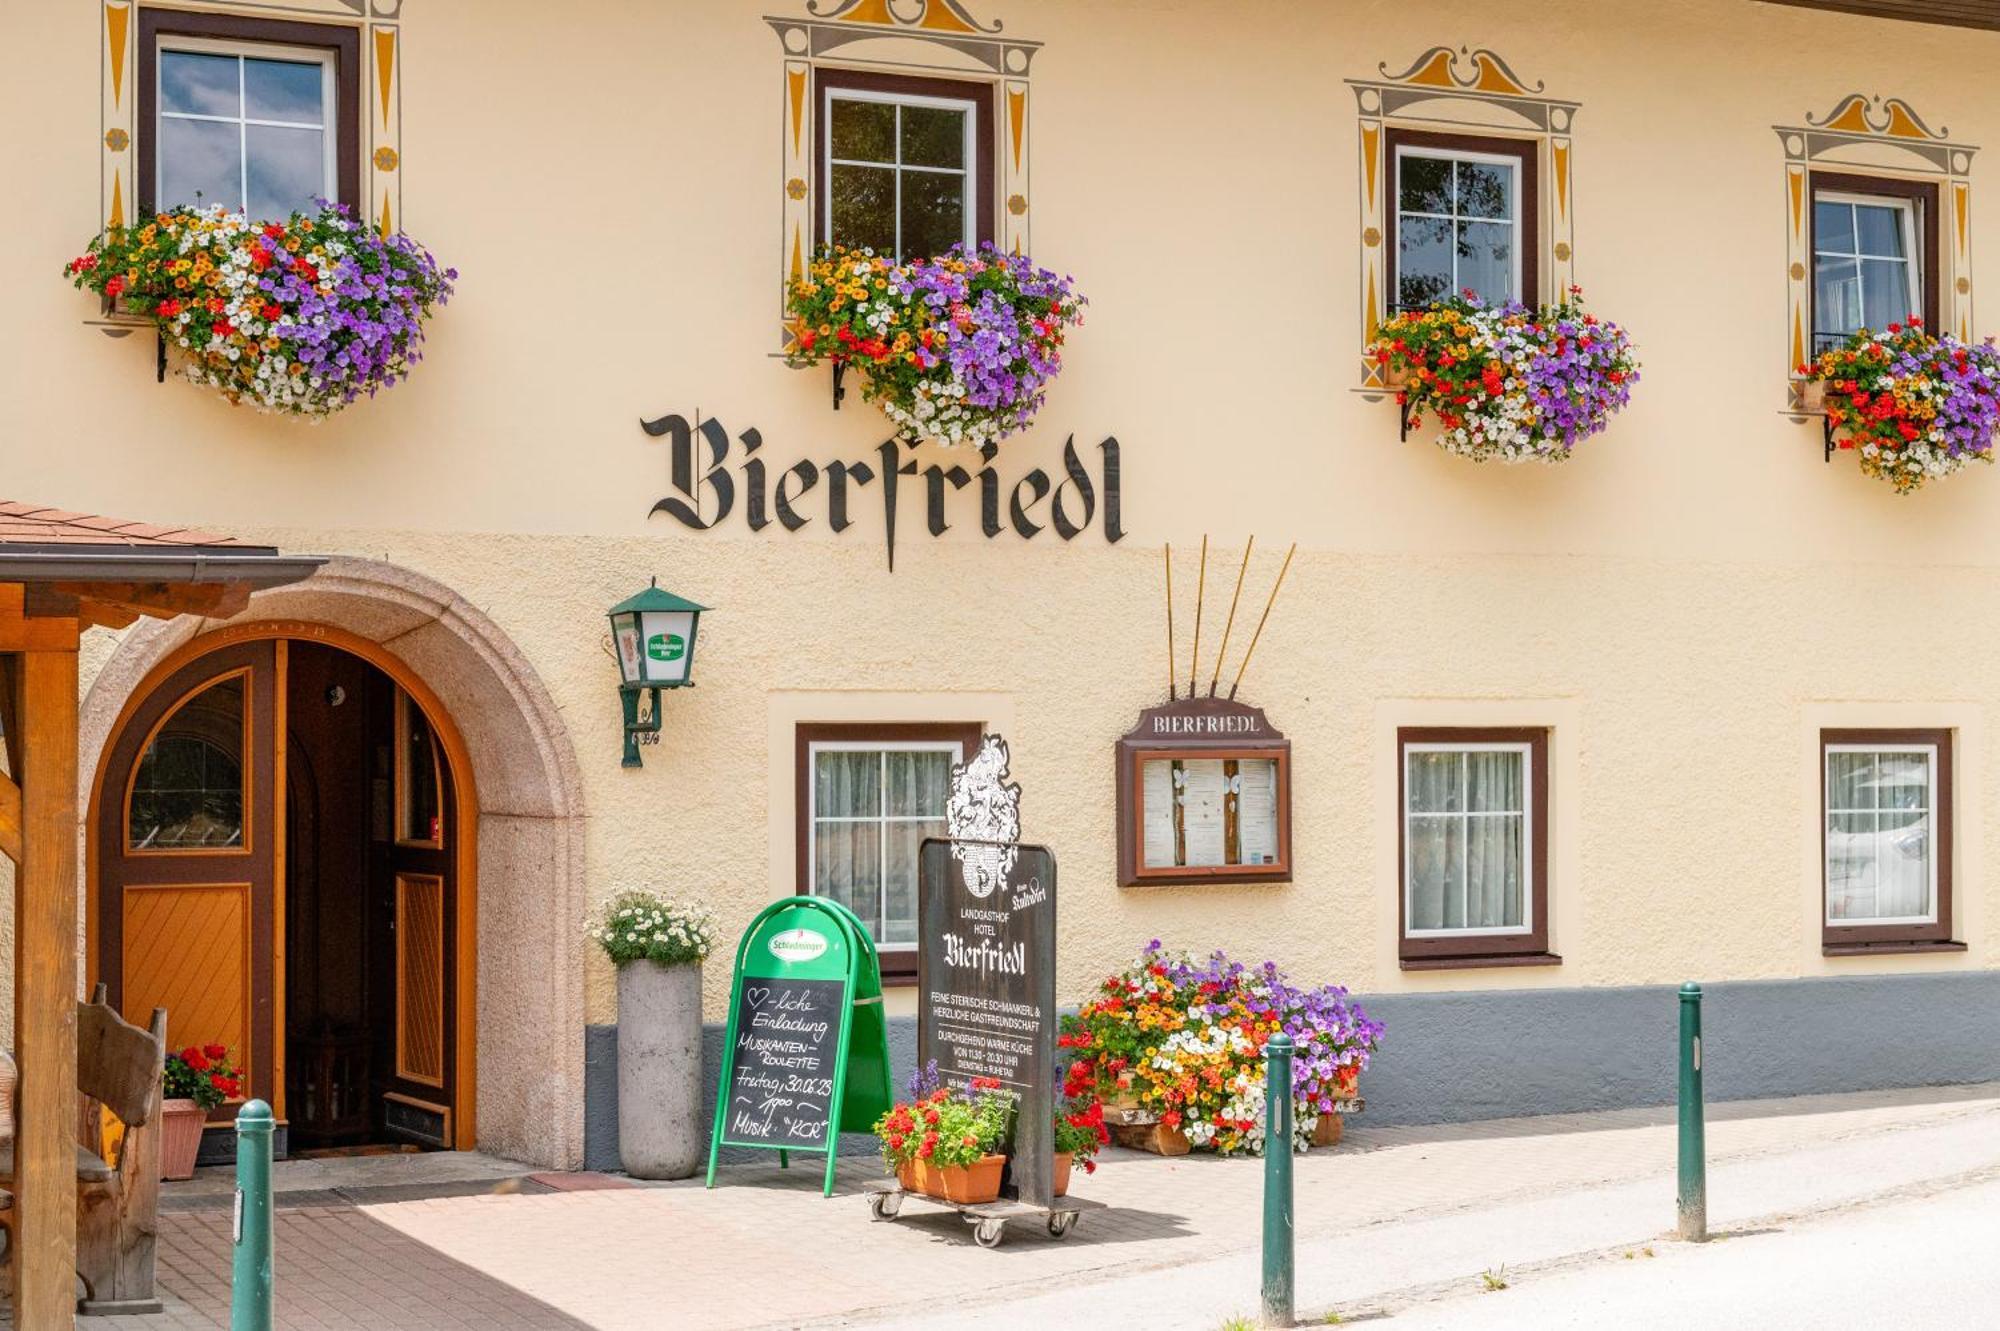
x: 530, y: 798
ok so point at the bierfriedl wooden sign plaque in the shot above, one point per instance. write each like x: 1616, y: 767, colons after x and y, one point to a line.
x: 986, y: 921
x: 1204, y: 796
x: 806, y: 1053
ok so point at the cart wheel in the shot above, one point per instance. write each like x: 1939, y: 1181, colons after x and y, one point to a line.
x: 1060, y: 1222
x: 884, y: 1205
x: 988, y: 1233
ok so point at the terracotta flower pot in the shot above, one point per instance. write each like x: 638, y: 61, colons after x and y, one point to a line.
x: 1812, y: 396
x: 180, y: 1137
x: 964, y: 1184
x: 906, y: 1176
x: 1063, y: 1161
x: 1326, y: 1132
x: 1395, y: 376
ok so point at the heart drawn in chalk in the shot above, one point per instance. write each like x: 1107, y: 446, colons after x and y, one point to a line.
x: 756, y: 996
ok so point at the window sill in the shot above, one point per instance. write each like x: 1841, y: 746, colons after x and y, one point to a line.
x: 1478, y: 963
x: 1889, y: 949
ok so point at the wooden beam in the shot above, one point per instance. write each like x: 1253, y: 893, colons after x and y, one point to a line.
x: 10, y: 819
x: 45, y: 996
x: 105, y: 614
x: 164, y: 599
x: 21, y: 634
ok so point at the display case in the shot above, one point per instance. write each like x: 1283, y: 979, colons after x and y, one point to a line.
x: 1204, y: 796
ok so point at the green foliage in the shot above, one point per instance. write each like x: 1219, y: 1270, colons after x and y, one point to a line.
x: 947, y: 1127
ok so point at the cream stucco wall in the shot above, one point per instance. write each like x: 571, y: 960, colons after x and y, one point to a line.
x: 1684, y: 604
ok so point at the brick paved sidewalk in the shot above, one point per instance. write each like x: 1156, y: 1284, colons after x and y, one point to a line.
x: 677, y: 1255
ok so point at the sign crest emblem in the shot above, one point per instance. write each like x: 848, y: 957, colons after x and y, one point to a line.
x: 984, y: 807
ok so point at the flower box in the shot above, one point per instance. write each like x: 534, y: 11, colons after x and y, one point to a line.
x: 959, y: 348
x: 1812, y: 396
x: 303, y: 315
x: 1064, y: 1162
x: 966, y: 1185
x: 1155, y: 1137
x: 1912, y: 406
x: 1507, y: 383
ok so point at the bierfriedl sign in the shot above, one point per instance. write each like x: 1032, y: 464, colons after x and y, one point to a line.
x: 806, y: 1054
x: 709, y: 487
x: 986, y: 921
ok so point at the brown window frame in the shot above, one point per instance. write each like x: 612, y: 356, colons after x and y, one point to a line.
x: 899, y: 966
x: 1923, y: 195
x: 1477, y: 949
x: 985, y: 167
x: 1529, y: 153
x: 343, y: 42
x: 1866, y: 939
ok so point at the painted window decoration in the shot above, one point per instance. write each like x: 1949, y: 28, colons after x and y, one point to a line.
x: 900, y: 172
x: 187, y: 792
x: 249, y: 127
x: 1887, y: 836
x: 1474, y: 831
x: 872, y: 805
x: 1458, y: 226
x: 1205, y: 813
x: 421, y: 813
x: 1868, y: 263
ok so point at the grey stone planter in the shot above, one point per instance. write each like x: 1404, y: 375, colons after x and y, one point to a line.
x: 660, y: 1129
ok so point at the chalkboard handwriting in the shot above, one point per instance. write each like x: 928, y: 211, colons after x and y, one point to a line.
x: 985, y: 957
x: 784, y: 1021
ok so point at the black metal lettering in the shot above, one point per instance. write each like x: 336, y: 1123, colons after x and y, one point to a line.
x: 934, y: 479
x: 1038, y: 481
x: 715, y: 477
x: 837, y: 474
x: 1081, y: 480
x: 753, y: 481
x: 808, y: 476
x: 893, y: 466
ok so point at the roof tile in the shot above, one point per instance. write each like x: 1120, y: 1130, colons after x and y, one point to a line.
x: 35, y: 524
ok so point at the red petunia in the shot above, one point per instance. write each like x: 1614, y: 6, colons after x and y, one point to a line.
x: 215, y: 1050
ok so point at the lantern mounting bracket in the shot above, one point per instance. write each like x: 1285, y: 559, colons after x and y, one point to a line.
x: 839, y: 384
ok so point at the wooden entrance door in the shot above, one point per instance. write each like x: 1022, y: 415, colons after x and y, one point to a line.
x: 188, y: 855
x: 419, y: 948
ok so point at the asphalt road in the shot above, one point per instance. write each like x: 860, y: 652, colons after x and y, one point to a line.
x: 1916, y: 1262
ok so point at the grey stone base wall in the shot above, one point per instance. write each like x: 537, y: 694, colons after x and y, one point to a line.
x: 1449, y: 1058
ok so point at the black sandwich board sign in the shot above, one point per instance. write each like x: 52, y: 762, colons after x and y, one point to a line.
x: 806, y: 1056
x: 986, y: 921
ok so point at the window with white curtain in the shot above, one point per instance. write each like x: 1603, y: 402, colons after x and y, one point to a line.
x: 1473, y: 846
x: 1466, y: 839
x: 871, y: 806
x: 1885, y: 821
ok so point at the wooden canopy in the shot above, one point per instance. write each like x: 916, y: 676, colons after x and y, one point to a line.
x: 61, y: 573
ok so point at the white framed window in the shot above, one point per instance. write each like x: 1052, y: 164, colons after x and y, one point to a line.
x: 870, y: 805
x: 1882, y: 852
x: 901, y: 170
x: 1459, y: 224
x: 1868, y: 263
x: 249, y: 125
x: 1468, y: 839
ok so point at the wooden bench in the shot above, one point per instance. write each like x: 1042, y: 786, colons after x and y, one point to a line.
x: 118, y: 1068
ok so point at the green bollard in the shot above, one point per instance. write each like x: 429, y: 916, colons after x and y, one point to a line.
x: 1694, y: 1153
x: 250, y: 1280
x: 1278, y: 1181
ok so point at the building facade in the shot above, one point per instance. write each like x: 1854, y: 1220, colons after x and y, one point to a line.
x: 1700, y: 702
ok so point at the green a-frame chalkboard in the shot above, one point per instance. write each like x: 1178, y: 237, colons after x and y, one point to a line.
x: 806, y: 1055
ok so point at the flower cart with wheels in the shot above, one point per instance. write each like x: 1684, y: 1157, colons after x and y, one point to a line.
x: 945, y: 1148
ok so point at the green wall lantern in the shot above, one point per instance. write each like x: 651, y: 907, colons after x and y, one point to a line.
x: 652, y: 635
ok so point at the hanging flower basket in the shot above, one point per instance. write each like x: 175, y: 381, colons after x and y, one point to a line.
x: 1507, y: 382
x: 959, y: 349
x: 1913, y: 406
x: 302, y: 316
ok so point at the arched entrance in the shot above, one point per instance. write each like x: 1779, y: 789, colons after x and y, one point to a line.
x: 496, y: 904
x: 278, y: 839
